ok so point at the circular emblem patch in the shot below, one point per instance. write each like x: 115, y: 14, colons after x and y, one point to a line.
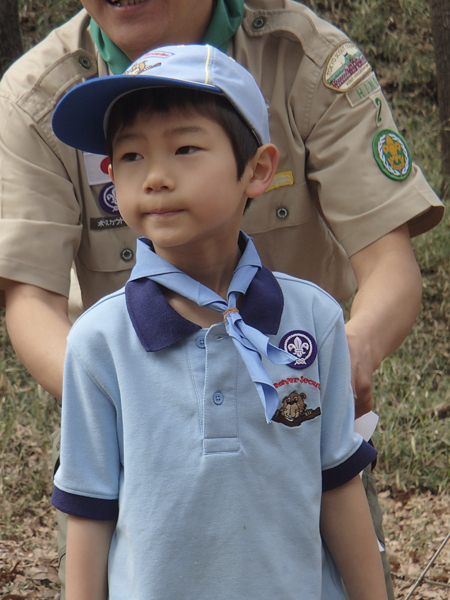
x: 302, y: 346
x: 345, y: 67
x: 107, y: 199
x: 392, y: 154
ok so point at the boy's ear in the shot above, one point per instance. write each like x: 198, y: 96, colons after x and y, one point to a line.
x: 110, y: 172
x: 264, y: 165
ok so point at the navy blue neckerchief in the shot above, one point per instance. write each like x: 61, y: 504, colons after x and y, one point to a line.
x: 159, y: 326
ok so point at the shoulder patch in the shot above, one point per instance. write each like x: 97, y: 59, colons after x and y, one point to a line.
x: 345, y: 67
x: 391, y: 154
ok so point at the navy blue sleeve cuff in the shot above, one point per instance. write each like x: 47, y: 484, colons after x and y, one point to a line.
x: 83, y: 506
x: 333, y: 478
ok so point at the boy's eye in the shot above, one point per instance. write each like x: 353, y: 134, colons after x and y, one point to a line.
x: 186, y: 150
x: 131, y: 156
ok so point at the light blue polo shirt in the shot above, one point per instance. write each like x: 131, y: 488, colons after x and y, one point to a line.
x: 163, y: 428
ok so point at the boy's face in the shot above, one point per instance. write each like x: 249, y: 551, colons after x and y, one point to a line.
x: 137, y: 26
x: 176, y: 182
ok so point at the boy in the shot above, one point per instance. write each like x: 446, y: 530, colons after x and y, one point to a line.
x: 238, y: 448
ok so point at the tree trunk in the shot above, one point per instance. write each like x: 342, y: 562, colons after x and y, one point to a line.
x: 10, y: 41
x: 440, y: 27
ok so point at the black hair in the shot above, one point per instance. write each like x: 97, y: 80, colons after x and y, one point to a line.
x: 163, y: 100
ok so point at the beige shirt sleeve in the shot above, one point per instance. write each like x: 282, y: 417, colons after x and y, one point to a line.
x: 51, y: 210
x: 359, y: 201
x: 40, y: 217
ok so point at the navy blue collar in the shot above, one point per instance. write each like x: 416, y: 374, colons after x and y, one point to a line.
x: 159, y: 326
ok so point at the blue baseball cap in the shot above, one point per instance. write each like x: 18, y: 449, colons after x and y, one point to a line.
x: 81, y: 117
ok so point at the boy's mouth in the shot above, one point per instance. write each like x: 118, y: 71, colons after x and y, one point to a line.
x: 122, y: 3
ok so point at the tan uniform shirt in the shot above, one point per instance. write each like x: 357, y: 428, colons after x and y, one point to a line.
x: 328, y: 200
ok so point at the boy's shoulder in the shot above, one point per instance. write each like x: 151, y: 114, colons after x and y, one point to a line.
x: 307, y: 307
x: 105, y: 315
x: 307, y: 289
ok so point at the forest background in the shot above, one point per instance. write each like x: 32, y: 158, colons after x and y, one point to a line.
x: 412, y: 391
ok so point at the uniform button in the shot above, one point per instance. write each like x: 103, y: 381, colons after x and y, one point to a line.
x: 127, y: 254
x: 85, y: 62
x: 200, y: 341
x: 218, y: 398
x: 282, y: 212
x: 259, y: 23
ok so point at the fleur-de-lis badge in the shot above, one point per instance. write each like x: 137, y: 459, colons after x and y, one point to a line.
x: 302, y: 346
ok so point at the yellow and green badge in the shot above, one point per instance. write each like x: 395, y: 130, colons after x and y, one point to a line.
x: 392, y: 154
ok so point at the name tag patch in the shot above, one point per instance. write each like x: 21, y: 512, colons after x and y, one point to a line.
x: 362, y: 91
x: 106, y: 223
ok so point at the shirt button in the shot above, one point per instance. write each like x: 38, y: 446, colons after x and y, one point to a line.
x: 85, y: 62
x: 127, y: 254
x: 282, y: 212
x: 200, y: 341
x: 259, y: 23
x: 218, y: 398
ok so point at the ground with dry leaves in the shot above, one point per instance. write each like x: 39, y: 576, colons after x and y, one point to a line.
x: 29, y: 559
x: 415, y: 528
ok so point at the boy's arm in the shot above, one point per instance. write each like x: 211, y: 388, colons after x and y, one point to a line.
x: 348, y: 533
x: 88, y: 543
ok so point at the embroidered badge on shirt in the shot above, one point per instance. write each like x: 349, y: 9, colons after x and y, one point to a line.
x: 294, y: 411
x: 107, y: 199
x: 345, y: 67
x: 96, y: 168
x: 379, y: 105
x: 302, y: 346
x: 281, y: 180
x: 392, y: 154
x: 363, y: 90
x: 106, y: 223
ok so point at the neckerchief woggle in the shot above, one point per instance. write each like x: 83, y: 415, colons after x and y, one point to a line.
x: 251, y: 343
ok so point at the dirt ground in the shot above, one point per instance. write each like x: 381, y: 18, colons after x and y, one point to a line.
x: 415, y: 527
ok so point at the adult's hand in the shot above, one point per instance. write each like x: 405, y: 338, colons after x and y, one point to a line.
x: 384, y: 308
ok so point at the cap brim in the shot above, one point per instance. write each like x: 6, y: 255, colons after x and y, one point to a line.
x: 79, y: 117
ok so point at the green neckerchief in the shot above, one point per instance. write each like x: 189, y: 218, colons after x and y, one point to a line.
x: 226, y: 19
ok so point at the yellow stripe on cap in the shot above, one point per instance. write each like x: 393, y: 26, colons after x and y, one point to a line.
x: 207, y: 64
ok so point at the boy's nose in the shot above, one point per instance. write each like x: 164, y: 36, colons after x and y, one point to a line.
x: 158, y: 179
